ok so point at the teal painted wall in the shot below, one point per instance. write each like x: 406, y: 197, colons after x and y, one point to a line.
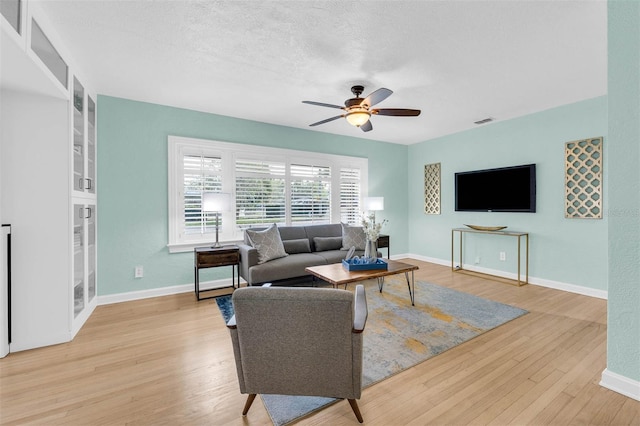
x: 132, y: 185
x: 623, y: 333
x: 569, y: 251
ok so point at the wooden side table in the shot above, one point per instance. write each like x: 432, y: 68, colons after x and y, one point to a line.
x: 383, y: 242
x: 209, y: 257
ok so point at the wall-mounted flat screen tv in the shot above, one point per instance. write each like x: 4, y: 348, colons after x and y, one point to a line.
x: 507, y: 189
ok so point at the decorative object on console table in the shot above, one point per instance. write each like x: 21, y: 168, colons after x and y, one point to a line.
x: 486, y: 228
x: 216, y: 202
x: 432, y: 188
x: 583, y: 179
x: 210, y: 257
x: 371, y: 228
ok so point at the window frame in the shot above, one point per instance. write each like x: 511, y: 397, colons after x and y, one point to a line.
x: 178, y: 146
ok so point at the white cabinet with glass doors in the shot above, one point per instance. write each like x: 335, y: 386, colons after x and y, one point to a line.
x: 47, y: 110
x: 84, y: 141
x: 84, y: 259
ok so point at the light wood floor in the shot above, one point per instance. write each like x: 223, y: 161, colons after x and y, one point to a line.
x: 168, y: 360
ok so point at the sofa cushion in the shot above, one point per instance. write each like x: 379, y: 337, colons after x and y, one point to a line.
x: 247, y: 241
x: 290, y: 267
x: 297, y: 246
x: 353, y: 236
x: 327, y: 243
x: 327, y: 230
x: 333, y: 256
x: 292, y: 232
x: 268, y: 243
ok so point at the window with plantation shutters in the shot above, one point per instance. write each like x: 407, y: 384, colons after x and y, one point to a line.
x: 310, y: 191
x: 350, y: 211
x: 201, y: 174
x: 260, y: 193
x: 267, y: 185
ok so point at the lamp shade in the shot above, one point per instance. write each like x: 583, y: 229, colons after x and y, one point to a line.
x: 372, y: 204
x: 216, y: 201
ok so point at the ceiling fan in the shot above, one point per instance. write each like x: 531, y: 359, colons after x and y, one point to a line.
x: 358, y: 110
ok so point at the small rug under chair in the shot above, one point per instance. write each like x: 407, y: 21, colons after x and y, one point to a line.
x: 398, y: 336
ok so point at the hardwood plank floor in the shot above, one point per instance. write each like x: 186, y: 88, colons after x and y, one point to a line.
x: 168, y: 360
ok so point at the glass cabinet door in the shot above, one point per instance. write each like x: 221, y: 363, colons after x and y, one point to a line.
x: 78, y: 258
x: 10, y: 9
x: 78, y: 136
x: 48, y: 54
x: 83, y: 110
x: 91, y: 252
x: 91, y: 146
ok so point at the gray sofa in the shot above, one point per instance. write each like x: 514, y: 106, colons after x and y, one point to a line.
x: 324, y: 243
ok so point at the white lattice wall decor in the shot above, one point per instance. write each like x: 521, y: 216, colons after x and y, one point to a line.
x: 583, y: 179
x: 432, y: 188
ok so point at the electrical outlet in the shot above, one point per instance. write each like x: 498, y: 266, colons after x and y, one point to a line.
x: 503, y: 256
x: 139, y: 272
x: 477, y: 260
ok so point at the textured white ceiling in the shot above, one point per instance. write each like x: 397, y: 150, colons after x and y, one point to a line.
x: 457, y: 61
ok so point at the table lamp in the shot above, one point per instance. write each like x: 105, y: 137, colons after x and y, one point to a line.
x: 216, y: 202
x: 374, y: 204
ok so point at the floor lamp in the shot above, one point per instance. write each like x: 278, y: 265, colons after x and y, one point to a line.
x: 216, y: 202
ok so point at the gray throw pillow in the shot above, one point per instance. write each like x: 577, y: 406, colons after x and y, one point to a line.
x: 268, y: 243
x: 353, y: 236
x: 297, y: 246
x: 327, y: 243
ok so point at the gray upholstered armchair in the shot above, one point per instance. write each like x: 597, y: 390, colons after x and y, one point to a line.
x: 299, y: 341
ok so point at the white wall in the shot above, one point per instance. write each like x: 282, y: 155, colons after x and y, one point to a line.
x: 4, y: 303
x: 35, y: 140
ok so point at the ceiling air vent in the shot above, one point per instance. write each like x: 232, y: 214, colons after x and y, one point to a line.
x: 484, y: 121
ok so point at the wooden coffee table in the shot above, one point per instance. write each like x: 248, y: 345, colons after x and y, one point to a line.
x: 337, y: 275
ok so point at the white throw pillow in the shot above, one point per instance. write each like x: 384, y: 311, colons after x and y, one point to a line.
x: 268, y: 243
x: 353, y: 236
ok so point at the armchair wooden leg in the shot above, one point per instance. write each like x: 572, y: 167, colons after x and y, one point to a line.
x: 247, y: 404
x: 356, y: 410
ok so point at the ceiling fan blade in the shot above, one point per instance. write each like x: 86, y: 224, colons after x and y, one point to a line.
x: 327, y: 120
x: 367, y: 127
x: 398, y: 112
x: 322, y: 104
x: 377, y: 96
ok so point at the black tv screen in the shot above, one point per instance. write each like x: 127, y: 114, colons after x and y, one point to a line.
x: 507, y: 189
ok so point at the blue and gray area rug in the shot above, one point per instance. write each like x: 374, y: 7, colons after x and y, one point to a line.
x: 398, y: 336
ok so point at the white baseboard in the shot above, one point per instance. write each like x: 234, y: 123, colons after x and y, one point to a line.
x: 185, y: 288
x: 542, y: 282
x: 621, y: 384
x: 427, y: 259
x: 162, y: 291
x: 400, y: 256
x: 571, y: 288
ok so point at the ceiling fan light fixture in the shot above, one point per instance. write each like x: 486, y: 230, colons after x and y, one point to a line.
x: 358, y: 118
x: 357, y: 110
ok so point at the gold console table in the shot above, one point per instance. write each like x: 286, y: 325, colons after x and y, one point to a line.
x: 518, y: 235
